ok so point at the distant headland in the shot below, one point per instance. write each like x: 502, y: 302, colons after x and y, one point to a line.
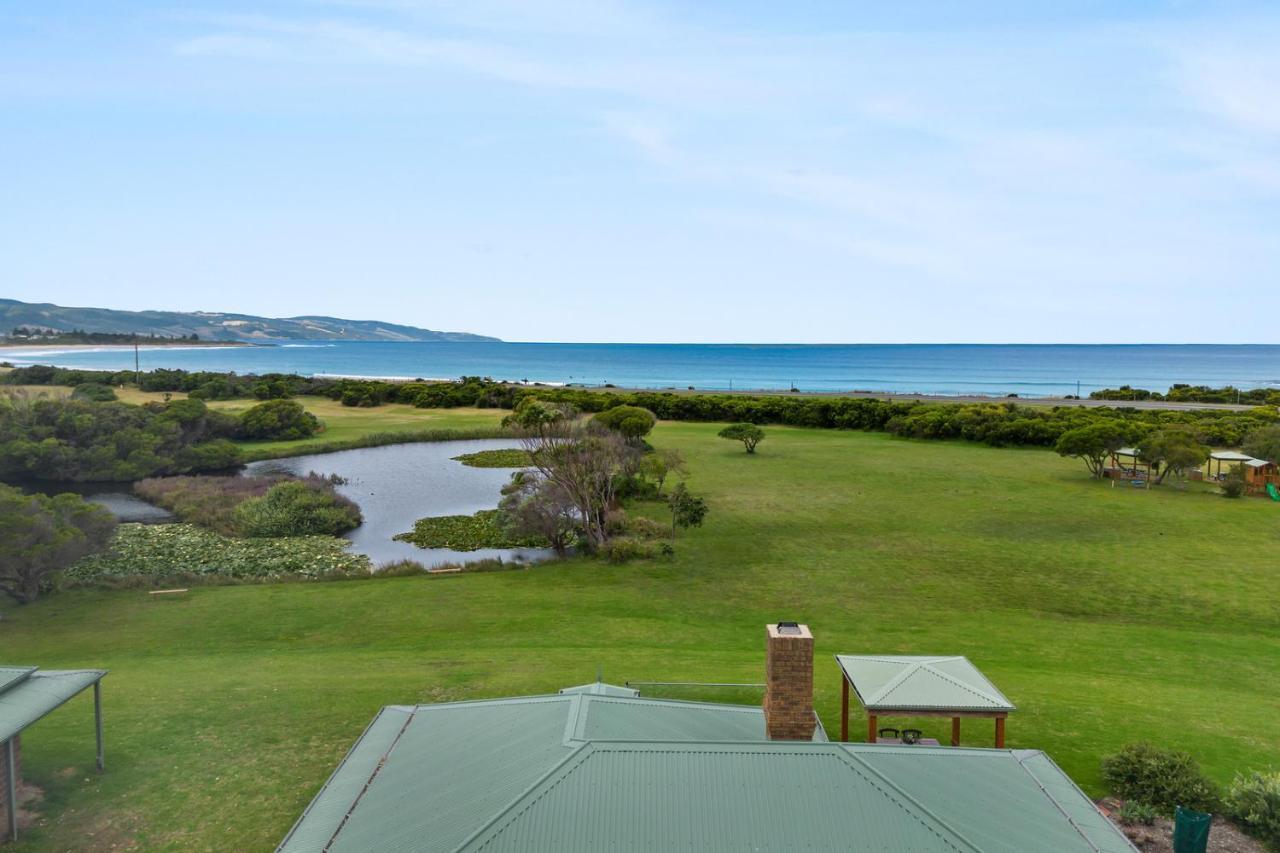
x: 44, y: 323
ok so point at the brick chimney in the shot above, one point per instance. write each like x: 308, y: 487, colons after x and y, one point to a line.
x: 788, y: 675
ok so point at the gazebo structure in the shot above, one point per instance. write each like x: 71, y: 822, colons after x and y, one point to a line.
x: 1127, y: 463
x: 913, y: 686
x: 1213, y: 468
x: 27, y: 694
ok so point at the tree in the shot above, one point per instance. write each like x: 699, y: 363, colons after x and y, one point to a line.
x: 1263, y: 443
x: 1094, y: 443
x: 40, y: 536
x: 749, y: 434
x: 283, y: 420
x: 532, y: 505
x: 687, y: 510
x: 587, y: 461
x: 661, y: 464
x: 633, y: 422
x: 1172, y: 451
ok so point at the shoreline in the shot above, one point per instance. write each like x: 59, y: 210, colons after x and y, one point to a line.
x: 25, y: 355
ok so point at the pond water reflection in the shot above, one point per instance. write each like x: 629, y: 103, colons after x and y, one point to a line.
x: 398, y: 484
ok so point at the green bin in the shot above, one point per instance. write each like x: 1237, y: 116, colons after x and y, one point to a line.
x: 1191, y: 831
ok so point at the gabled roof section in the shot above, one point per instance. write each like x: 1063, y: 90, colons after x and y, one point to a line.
x: 599, y: 688
x: 28, y: 693
x: 11, y: 675
x: 790, y: 796
x: 914, y: 683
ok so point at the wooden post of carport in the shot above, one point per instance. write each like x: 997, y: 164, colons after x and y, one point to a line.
x: 955, y: 731
x: 1000, y: 731
x: 844, y: 708
x: 97, y: 720
x: 11, y: 785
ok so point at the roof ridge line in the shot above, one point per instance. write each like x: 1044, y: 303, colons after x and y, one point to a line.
x: 853, y: 758
x: 969, y: 687
x: 892, y: 684
x: 1056, y: 804
x: 408, y: 718
x: 580, y: 751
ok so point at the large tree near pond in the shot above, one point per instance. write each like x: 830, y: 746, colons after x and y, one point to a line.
x: 40, y: 536
x: 582, y: 458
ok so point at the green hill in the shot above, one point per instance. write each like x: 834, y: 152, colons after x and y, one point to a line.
x: 214, y: 325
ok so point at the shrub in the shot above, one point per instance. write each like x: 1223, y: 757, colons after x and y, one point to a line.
x: 1233, y: 484
x: 623, y: 549
x: 40, y: 536
x: 749, y: 434
x: 1134, y: 812
x: 278, y: 420
x: 94, y: 392
x: 512, y: 458
x: 295, y: 509
x: 78, y: 440
x: 1254, y: 802
x: 1162, y: 778
x: 632, y: 421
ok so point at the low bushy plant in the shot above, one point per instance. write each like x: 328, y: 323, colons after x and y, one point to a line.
x: 295, y: 509
x: 278, y: 420
x: 1134, y: 813
x: 1161, y: 778
x: 624, y: 549
x: 94, y: 392
x: 1254, y: 802
x: 1233, y: 485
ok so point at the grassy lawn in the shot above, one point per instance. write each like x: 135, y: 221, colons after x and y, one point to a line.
x: 1107, y: 614
x: 344, y: 424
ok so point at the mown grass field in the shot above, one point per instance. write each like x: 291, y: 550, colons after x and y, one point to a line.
x: 1107, y: 614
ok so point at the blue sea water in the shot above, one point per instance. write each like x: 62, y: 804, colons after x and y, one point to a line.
x: 998, y: 369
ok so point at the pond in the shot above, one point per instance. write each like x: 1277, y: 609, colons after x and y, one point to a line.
x: 116, y: 497
x: 398, y: 484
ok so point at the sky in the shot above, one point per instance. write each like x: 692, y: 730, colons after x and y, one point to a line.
x: 617, y: 170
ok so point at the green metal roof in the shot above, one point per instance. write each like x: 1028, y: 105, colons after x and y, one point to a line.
x: 585, y: 771
x: 913, y: 683
x: 599, y: 688
x: 28, y: 693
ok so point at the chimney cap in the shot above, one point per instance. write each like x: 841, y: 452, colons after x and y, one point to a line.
x: 788, y: 630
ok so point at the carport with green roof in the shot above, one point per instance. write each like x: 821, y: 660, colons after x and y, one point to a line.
x: 27, y: 694
x: 920, y: 686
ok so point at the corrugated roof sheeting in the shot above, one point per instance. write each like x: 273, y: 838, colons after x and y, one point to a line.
x: 453, y: 768
x: 961, y: 786
x: 586, y: 771
x: 599, y: 688
x: 25, y: 700
x: 614, y: 719
x: 325, y: 814
x: 677, y: 796
x: 923, y: 683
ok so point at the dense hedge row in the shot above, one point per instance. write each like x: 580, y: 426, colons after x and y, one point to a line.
x: 1194, y: 394
x: 1005, y: 423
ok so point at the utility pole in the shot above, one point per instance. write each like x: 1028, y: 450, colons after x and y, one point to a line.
x: 137, y: 373
x: 1077, y: 389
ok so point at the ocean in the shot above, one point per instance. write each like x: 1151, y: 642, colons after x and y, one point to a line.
x: 951, y: 369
